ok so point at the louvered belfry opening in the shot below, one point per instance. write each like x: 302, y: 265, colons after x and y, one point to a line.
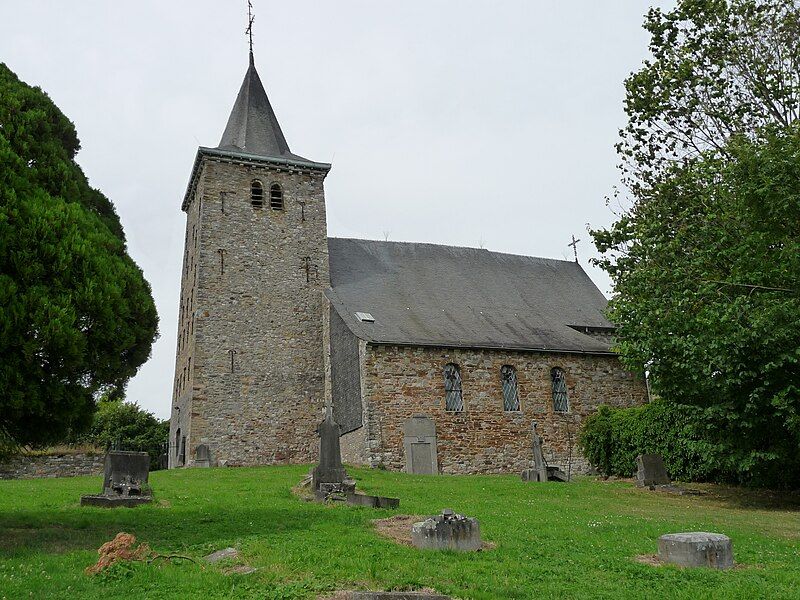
x: 276, y: 197
x: 508, y: 375
x: 560, y: 397
x: 256, y: 194
x: 453, y: 399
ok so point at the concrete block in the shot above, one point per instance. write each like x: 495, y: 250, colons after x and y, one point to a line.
x: 696, y: 549
x: 448, y: 531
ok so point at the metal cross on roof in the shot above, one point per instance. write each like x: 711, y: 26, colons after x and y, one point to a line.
x: 250, y: 18
x: 574, y: 245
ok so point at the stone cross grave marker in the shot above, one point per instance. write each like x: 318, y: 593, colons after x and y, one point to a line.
x: 329, y: 469
x: 539, y: 470
x: 329, y: 480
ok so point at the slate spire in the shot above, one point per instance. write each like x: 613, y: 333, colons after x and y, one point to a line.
x: 253, y: 127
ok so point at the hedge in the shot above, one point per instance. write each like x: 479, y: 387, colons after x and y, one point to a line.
x: 613, y: 437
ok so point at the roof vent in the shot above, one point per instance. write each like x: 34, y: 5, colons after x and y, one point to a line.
x: 365, y: 317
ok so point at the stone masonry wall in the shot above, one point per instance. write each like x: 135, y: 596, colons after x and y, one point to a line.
x: 400, y: 382
x: 255, y: 383
x: 180, y: 421
x: 357, y: 447
x: 52, y: 465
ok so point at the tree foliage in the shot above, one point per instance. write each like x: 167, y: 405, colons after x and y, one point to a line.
x: 612, y: 438
x: 707, y: 298
x: 719, y: 68
x: 706, y: 262
x: 76, y: 314
x: 125, y: 426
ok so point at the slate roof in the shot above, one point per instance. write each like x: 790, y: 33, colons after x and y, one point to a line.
x: 252, y: 126
x: 252, y: 135
x: 427, y: 294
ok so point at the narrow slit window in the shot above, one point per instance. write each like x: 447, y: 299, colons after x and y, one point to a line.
x: 275, y: 197
x: 453, y: 398
x: 178, y: 442
x: 560, y: 397
x: 256, y: 194
x: 508, y: 375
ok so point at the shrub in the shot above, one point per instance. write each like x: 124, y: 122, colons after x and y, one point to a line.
x: 613, y: 437
x: 127, y: 427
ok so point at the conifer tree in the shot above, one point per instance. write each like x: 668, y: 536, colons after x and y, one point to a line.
x: 77, y: 317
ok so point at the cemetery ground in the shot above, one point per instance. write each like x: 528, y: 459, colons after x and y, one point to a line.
x: 551, y: 540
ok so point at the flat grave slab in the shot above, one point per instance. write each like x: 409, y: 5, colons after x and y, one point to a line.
x: 395, y: 596
x: 106, y: 501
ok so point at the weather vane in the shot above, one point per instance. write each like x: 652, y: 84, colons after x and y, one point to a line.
x: 574, y: 245
x: 250, y: 18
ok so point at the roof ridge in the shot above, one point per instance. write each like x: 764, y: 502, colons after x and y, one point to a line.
x: 452, y: 247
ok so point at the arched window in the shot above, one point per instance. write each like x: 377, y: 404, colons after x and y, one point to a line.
x: 560, y: 398
x: 275, y: 197
x: 508, y: 375
x: 453, y: 400
x: 256, y: 194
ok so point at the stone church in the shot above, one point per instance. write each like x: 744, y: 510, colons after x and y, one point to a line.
x: 433, y: 358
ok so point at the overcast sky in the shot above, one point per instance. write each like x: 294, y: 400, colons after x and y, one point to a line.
x: 462, y: 122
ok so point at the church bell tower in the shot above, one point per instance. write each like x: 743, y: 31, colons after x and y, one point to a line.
x: 249, y: 374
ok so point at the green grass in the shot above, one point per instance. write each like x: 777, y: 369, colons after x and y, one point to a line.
x: 552, y: 540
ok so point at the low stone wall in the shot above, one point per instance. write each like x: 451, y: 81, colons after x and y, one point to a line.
x: 52, y: 465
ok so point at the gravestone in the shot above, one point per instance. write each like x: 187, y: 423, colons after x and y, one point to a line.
x: 124, y: 481
x: 329, y: 481
x: 330, y: 469
x: 447, y: 531
x: 419, y: 444
x: 650, y: 471
x: 696, y: 549
x: 126, y: 473
x: 202, y: 456
x: 539, y: 470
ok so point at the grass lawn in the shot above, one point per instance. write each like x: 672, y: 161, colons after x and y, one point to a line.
x: 552, y: 540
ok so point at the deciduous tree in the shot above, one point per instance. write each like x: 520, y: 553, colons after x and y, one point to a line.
x: 706, y: 260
